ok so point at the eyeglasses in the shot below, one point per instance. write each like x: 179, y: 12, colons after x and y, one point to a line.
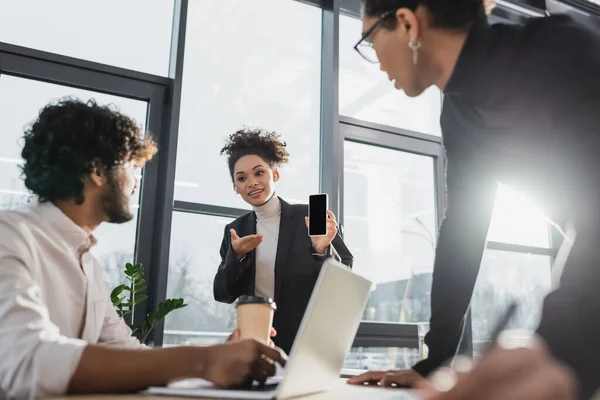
x: 365, y: 47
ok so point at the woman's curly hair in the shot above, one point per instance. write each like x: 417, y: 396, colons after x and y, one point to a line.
x: 70, y: 139
x: 266, y: 145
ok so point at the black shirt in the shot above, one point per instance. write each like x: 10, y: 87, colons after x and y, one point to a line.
x: 522, y: 107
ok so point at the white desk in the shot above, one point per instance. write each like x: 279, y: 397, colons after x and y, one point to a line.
x: 342, y: 391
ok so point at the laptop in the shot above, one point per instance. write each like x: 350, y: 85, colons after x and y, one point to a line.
x: 324, y: 339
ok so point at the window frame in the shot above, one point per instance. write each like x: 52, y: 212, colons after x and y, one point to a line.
x: 66, y: 71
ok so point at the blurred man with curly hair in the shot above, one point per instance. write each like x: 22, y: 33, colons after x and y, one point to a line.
x: 58, y: 330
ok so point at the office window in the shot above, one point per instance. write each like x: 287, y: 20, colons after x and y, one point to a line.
x: 20, y: 103
x: 366, y: 93
x: 361, y: 359
x: 133, y: 34
x: 263, y: 71
x: 195, y: 243
x: 516, y: 220
x: 390, y: 228
x: 506, y: 276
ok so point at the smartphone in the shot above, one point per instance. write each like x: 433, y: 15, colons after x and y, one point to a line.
x: 318, y: 204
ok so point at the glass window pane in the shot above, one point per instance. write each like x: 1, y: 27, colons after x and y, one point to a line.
x: 263, y: 71
x: 367, y: 94
x: 390, y: 228
x: 133, y: 34
x: 195, y: 243
x: 361, y: 359
x: 518, y: 221
x: 20, y: 102
x: 506, y: 276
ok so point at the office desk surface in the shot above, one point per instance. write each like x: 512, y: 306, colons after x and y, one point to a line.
x: 342, y: 391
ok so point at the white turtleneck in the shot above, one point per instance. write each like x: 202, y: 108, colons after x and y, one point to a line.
x: 268, y: 217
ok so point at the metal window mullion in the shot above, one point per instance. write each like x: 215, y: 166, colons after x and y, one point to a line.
x: 73, y: 76
x: 208, y: 209
x: 331, y: 148
x: 148, y: 201
x: 517, y: 248
x: 389, y: 129
x: 167, y: 157
x: 40, y: 58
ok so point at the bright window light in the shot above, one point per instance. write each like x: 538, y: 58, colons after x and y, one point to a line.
x: 517, y: 220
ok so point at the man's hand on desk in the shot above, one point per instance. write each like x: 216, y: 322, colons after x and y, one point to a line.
x: 107, y: 369
x: 402, y: 378
x: 234, y: 362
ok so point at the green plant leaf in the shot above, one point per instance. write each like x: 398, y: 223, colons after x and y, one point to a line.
x: 177, y: 303
x: 145, y: 336
x: 122, y: 313
x: 117, y: 291
x: 117, y: 301
x: 152, y: 318
x: 129, y: 269
x: 169, y: 305
x: 141, y: 287
x: 138, y: 270
x: 124, y: 304
x: 137, y: 283
x: 139, y: 299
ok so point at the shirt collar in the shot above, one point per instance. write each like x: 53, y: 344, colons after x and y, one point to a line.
x: 75, y: 236
x: 465, y: 78
x: 268, y: 210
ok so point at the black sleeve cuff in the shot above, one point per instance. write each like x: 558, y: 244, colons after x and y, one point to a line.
x: 426, y: 367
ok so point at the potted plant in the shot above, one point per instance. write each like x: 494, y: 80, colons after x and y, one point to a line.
x: 125, y: 302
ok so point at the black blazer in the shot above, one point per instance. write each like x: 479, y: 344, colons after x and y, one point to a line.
x: 296, y: 269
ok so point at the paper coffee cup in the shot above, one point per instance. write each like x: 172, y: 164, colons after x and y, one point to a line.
x: 255, y: 317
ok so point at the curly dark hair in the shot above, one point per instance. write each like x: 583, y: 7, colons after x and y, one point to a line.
x: 266, y: 145
x: 70, y: 139
x: 453, y: 14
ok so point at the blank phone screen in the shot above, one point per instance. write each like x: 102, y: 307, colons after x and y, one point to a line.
x: 317, y: 205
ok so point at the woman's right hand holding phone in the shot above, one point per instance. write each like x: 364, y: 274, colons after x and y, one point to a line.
x: 244, y: 245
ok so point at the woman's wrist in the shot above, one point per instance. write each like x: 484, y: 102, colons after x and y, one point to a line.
x: 320, y: 250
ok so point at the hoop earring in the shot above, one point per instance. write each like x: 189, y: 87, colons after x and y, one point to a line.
x: 415, y: 50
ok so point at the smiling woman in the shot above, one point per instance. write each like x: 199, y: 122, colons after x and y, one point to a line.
x: 268, y: 252
x: 258, y: 153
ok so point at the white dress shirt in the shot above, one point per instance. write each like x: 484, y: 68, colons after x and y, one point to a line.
x: 268, y: 217
x: 53, y: 301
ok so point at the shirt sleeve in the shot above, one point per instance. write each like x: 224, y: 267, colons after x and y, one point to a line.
x: 471, y: 194
x: 35, y: 359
